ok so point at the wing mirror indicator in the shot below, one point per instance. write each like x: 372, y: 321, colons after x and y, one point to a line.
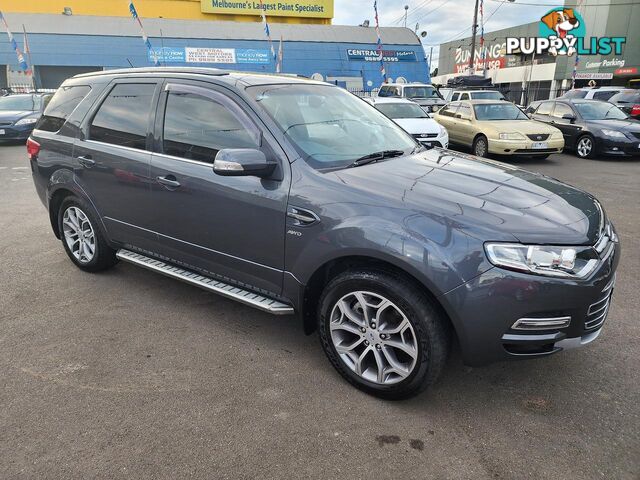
x: 243, y: 162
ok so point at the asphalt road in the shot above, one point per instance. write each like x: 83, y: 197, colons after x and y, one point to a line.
x: 131, y: 374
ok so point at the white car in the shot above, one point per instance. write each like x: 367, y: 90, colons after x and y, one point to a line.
x: 414, y: 120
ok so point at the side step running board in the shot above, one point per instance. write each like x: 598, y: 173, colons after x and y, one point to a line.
x: 230, y: 291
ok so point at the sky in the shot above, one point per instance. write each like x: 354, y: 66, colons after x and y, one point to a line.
x: 443, y: 20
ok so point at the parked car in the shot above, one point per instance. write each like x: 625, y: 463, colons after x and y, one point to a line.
x: 294, y: 196
x: 592, y: 93
x: 19, y: 113
x: 628, y: 101
x: 414, y: 120
x: 499, y: 128
x: 591, y: 127
x: 424, y: 94
x: 476, y: 95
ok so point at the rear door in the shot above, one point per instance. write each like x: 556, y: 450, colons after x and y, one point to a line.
x: 112, y: 158
x: 446, y: 117
x: 232, y: 227
x: 464, y: 124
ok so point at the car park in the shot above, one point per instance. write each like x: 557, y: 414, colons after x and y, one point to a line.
x: 386, y: 248
x: 628, y: 101
x: 414, y: 120
x: 424, y: 94
x: 498, y: 128
x: 19, y: 113
x: 590, y: 127
x: 592, y: 93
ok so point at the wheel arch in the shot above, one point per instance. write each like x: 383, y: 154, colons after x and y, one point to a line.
x: 330, y: 269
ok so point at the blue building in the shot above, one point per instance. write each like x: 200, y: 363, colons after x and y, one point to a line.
x: 64, y: 45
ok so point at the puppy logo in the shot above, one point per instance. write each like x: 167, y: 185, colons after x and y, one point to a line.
x: 562, y: 23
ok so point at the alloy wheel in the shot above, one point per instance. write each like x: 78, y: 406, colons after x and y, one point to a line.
x: 585, y: 145
x: 78, y: 234
x: 373, y: 337
x: 481, y: 148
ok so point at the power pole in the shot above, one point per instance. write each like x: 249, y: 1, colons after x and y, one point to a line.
x: 474, y: 30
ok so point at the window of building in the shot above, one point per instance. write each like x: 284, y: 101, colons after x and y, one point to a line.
x: 63, y: 103
x: 123, y: 118
x: 197, y: 127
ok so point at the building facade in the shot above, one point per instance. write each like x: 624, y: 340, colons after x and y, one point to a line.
x: 530, y: 77
x: 64, y: 45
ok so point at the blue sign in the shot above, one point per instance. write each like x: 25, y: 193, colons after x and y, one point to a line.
x: 167, y: 55
x: 244, y: 55
x: 387, y: 55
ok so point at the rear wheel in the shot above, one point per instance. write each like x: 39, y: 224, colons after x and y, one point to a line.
x: 585, y: 146
x: 481, y: 146
x: 382, y: 334
x: 81, y: 237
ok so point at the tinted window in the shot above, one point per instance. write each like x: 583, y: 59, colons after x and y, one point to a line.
x: 455, y: 96
x: 545, y: 108
x: 384, y: 92
x: 63, y: 103
x: 196, y: 128
x: 626, y: 97
x: 593, y: 110
x: 465, y: 96
x: 488, y: 95
x: 575, y: 94
x: 22, y: 103
x: 604, y: 95
x: 561, y: 110
x: 421, y: 92
x: 402, y: 110
x: 123, y: 118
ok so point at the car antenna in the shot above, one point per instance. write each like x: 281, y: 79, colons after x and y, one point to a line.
x: 130, y: 63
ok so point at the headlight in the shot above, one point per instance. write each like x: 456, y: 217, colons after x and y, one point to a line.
x: 566, y: 262
x: 613, y: 133
x: 512, y: 136
x: 26, y: 121
x: 443, y: 131
x: 557, y: 135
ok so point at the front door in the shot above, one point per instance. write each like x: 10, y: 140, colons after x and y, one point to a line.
x: 568, y: 127
x: 232, y: 227
x: 112, y: 158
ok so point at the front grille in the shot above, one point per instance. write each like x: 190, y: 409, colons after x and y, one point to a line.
x: 538, y: 137
x: 597, y: 313
x: 425, y: 135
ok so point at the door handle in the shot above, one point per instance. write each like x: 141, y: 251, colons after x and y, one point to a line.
x: 86, y: 161
x: 168, y: 181
x: 302, y: 217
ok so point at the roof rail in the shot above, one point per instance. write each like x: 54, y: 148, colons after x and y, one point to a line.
x: 120, y: 71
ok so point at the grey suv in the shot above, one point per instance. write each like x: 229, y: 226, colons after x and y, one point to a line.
x: 294, y: 196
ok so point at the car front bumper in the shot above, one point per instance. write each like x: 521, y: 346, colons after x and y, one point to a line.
x: 485, y: 309
x: 621, y: 147
x: 525, y: 147
x: 429, y: 141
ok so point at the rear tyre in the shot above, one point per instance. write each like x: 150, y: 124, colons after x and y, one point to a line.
x: 481, y: 146
x: 82, y: 237
x: 585, y: 146
x: 382, y: 333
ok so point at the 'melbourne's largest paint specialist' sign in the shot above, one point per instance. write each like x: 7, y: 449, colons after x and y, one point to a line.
x: 280, y: 8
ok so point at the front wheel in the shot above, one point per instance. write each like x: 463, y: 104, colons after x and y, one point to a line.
x: 481, y: 146
x: 585, y: 147
x: 382, y: 334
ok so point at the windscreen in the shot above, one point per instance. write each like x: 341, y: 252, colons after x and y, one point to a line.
x: 421, y: 92
x: 498, y: 111
x: 402, y: 110
x: 330, y: 127
x: 597, y: 110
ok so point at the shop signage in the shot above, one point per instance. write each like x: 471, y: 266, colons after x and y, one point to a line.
x: 493, y: 58
x: 614, y: 62
x: 626, y: 71
x: 279, y: 8
x: 593, y: 76
x: 210, y: 55
x: 388, y: 56
x: 562, y: 31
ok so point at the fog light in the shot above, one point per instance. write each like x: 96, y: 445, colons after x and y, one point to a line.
x: 541, y: 323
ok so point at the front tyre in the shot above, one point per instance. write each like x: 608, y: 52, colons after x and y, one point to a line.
x: 382, y: 333
x: 585, y: 146
x: 481, y: 146
x: 81, y: 237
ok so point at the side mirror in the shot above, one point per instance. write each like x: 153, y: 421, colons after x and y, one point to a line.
x: 242, y: 162
x: 568, y: 116
x: 458, y: 116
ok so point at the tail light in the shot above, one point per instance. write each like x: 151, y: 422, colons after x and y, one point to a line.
x: 33, y: 148
x: 635, y: 110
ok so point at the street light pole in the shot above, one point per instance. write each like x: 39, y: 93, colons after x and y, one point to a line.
x: 406, y: 11
x: 474, y: 29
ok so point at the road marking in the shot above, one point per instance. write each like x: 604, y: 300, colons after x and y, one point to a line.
x: 2, y: 168
x: 19, y: 168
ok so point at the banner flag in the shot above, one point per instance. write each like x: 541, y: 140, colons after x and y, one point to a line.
x: 21, y: 60
x: 383, y: 71
x: 145, y: 39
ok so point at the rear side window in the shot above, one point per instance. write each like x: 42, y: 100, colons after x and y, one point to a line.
x: 545, y: 108
x: 63, y: 103
x: 455, y: 97
x: 464, y: 96
x: 123, y: 118
x: 197, y: 127
x: 604, y: 94
x: 575, y: 94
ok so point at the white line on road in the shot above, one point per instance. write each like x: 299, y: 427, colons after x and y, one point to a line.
x: 19, y: 168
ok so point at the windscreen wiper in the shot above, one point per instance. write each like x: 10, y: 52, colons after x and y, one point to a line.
x: 375, y: 156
